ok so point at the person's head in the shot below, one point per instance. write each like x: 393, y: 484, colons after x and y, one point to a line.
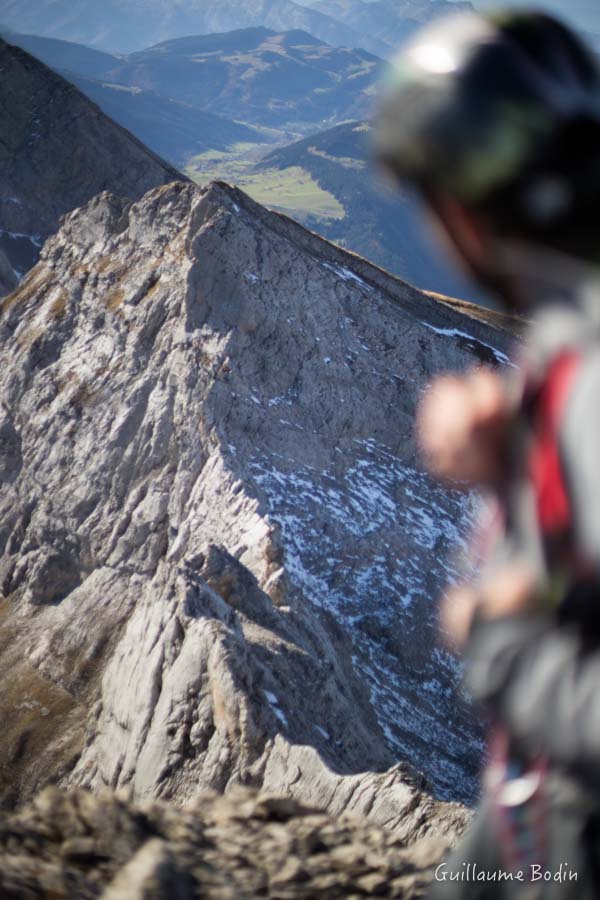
x: 495, y: 119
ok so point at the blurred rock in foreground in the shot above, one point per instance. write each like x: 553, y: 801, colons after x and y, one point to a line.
x: 78, y: 846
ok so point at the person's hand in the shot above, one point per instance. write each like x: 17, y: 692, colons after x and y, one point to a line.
x: 462, y: 426
x: 456, y: 613
x: 511, y: 591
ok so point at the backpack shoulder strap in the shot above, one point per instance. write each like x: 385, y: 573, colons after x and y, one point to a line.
x: 545, y: 466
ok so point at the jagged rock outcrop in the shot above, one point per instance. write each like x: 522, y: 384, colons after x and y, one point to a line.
x: 58, y: 150
x: 217, y: 554
x: 244, y: 846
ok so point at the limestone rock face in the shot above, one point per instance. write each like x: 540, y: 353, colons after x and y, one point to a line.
x: 218, y: 556
x: 219, y: 848
x: 58, y: 150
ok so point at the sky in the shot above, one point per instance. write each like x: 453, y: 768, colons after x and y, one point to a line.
x: 583, y: 14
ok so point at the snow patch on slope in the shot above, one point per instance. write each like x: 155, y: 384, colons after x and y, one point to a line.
x: 324, y: 520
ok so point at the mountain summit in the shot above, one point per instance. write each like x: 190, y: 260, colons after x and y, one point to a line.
x: 217, y: 552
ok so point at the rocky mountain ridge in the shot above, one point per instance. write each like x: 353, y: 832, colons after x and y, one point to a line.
x: 218, y: 567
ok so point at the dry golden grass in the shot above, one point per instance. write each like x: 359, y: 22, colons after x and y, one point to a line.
x: 59, y: 305
x: 506, y: 321
x: 31, y: 285
x: 114, y: 299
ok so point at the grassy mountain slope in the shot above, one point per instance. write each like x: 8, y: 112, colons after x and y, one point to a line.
x: 174, y: 130
x: 260, y: 76
x: 291, y: 190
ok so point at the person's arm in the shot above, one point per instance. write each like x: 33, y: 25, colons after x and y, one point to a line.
x: 579, y: 442
x: 536, y: 678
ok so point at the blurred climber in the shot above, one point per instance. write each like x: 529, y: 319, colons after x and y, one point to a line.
x: 495, y: 120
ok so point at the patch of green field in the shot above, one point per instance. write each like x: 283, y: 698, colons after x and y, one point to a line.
x: 291, y: 190
x: 239, y: 150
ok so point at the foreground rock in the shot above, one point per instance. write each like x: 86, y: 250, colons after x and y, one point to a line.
x: 217, y: 554
x: 57, y: 151
x: 78, y: 846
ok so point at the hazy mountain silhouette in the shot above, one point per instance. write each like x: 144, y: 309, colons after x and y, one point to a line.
x: 126, y: 25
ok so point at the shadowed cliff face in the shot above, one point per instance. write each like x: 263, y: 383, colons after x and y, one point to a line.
x: 218, y: 556
x: 57, y: 151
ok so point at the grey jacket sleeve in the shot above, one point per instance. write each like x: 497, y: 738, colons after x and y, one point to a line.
x: 580, y: 449
x: 536, y: 678
x: 530, y: 673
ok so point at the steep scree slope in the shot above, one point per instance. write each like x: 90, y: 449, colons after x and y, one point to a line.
x: 217, y: 554
x: 57, y: 151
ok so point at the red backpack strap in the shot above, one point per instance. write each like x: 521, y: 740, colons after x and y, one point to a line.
x: 545, y: 467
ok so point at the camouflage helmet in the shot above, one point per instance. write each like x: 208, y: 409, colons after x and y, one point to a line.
x: 502, y: 112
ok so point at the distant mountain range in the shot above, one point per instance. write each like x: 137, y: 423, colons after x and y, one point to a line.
x: 59, y: 54
x: 174, y: 130
x: 259, y: 76
x: 123, y: 26
x: 389, y: 22
x: 167, y: 96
